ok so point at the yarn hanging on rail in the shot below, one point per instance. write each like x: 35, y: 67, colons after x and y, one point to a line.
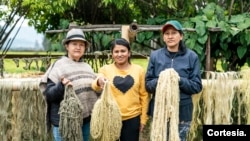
x: 5, y: 110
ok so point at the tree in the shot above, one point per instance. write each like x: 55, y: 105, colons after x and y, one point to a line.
x: 48, y: 15
x: 9, y: 20
x: 198, y: 14
x: 14, y: 11
x: 36, y: 11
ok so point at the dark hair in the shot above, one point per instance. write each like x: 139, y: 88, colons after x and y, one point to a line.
x: 120, y: 41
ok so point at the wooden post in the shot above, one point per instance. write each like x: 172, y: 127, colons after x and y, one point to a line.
x: 125, y: 32
x: 208, y: 55
x: 208, y: 49
x: 129, y: 31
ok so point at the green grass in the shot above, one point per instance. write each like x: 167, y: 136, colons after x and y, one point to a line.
x: 141, y: 62
x: 11, y: 68
x: 219, y: 67
x: 31, y: 53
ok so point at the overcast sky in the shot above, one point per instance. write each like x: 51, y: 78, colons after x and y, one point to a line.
x: 27, y: 37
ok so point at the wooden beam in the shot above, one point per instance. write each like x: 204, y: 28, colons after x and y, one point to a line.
x: 111, y: 27
x: 86, y: 55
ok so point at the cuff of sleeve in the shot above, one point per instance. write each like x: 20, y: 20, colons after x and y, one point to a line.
x: 95, y: 86
x: 144, y: 120
x: 180, y: 81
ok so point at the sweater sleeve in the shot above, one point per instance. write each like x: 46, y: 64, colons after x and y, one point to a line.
x: 94, y: 85
x: 150, y: 78
x: 193, y: 84
x: 54, y: 92
x: 144, y: 98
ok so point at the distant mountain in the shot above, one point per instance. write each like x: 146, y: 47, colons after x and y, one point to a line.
x: 27, y: 39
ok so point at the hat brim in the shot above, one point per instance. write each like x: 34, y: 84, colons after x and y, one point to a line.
x: 164, y: 28
x: 80, y: 39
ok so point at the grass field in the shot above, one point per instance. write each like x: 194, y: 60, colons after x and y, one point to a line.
x: 32, y: 53
x: 10, y: 67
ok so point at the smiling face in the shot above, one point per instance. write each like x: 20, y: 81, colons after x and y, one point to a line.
x: 121, y: 55
x: 76, y: 49
x: 172, y: 38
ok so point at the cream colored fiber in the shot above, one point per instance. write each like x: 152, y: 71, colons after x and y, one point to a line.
x: 166, y: 111
x: 106, y: 121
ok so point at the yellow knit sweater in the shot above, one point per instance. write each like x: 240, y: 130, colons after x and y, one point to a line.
x: 128, y: 89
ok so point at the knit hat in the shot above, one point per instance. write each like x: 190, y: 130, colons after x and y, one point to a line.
x: 174, y: 24
x: 75, y: 34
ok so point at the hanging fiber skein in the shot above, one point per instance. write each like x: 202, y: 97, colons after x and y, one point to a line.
x: 106, y: 121
x: 71, y: 110
x: 166, y: 111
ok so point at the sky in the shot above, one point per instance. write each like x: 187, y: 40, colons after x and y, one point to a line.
x: 27, y: 38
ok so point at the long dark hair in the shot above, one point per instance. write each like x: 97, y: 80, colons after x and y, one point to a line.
x: 123, y: 42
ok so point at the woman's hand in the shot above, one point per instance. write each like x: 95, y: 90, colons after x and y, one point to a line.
x: 66, y: 81
x: 142, y: 127
x: 101, y: 81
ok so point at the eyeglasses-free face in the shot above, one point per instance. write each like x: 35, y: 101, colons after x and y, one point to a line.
x: 172, y: 38
x: 120, y: 54
x: 76, y: 49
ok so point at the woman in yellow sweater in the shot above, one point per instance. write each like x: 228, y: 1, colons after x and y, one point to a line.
x: 127, y: 85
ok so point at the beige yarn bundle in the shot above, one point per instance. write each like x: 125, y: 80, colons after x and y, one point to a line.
x: 71, y: 111
x: 166, y: 111
x: 106, y: 121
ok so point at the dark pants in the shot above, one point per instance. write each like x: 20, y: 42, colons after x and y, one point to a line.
x: 85, y: 132
x: 130, y: 129
x: 184, y: 129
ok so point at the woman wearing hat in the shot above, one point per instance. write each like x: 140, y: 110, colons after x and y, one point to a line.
x: 70, y: 69
x: 185, y: 62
